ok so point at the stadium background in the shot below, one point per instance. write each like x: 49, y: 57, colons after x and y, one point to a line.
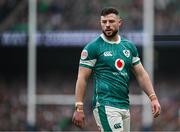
x: 57, y: 63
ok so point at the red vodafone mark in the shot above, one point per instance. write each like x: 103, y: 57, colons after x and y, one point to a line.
x: 119, y: 63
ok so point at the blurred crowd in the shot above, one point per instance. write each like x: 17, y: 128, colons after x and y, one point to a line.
x: 65, y: 15
x: 56, y: 15
x: 13, y: 107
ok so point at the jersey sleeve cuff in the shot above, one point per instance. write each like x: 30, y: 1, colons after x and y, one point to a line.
x: 137, y: 62
x: 86, y: 66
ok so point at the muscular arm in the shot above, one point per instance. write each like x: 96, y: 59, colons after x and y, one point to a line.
x: 143, y: 79
x: 83, y: 76
x: 145, y: 83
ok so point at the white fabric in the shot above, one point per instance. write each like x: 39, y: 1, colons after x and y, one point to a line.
x: 114, y: 116
x: 135, y: 59
x: 88, y: 62
x: 111, y: 42
x: 97, y: 119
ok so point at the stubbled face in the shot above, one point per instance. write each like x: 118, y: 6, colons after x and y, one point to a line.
x: 110, y: 25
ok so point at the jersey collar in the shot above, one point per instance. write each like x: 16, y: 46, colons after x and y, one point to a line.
x: 111, y: 42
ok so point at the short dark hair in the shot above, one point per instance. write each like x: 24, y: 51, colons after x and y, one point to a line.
x: 108, y: 10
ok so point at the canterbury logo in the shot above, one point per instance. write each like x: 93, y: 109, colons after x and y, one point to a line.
x: 108, y: 53
x: 118, y: 125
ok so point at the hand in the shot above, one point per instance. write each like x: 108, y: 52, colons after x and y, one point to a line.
x: 156, y: 108
x: 78, y: 119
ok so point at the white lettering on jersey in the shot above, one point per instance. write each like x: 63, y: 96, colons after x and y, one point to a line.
x: 107, y: 53
x: 120, y: 73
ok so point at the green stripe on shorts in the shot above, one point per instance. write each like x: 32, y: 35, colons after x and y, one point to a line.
x: 103, y: 118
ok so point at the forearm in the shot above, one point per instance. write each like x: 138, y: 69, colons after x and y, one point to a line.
x: 83, y: 75
x: 146, y: 84
x: 81, y: 84
x: 80, y: 89
x: 79, y: 116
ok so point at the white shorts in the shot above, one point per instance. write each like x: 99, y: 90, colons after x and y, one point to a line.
x: 112, y: 119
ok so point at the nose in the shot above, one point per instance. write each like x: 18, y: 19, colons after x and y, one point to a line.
x: 107, y: 24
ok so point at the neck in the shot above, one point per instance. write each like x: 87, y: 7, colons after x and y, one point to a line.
x: 114, y: 38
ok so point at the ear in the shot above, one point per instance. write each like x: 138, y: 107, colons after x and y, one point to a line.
x: 120, y: 22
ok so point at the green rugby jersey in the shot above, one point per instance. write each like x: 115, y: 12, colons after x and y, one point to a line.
x: 111, y: 63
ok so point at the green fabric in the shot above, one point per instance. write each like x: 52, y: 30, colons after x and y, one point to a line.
x: 111, y: 77
x: 103, y: 119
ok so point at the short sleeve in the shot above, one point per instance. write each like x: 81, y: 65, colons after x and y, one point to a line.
x: 135, y: 55
x: 88, y: 56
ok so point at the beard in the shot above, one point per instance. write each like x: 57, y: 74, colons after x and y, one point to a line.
x: 111, y: 35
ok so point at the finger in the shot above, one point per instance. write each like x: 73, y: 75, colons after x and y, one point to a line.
x: 74, y: 120
x: 156, y: 109
x: 153, y: 108
x: 83, y: 123
x: 156, y: 115
x: 159, y: 109
x: 79, y: 124
x: 157, y: 112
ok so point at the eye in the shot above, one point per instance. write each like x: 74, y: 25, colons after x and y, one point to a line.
x: 103, y: 21
x: 111, y: 21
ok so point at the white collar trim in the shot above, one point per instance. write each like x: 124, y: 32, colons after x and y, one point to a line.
x: 111, y: 42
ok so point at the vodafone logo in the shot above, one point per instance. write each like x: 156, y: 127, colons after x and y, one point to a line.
x: 84, y: 54
x: 119, y: 63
